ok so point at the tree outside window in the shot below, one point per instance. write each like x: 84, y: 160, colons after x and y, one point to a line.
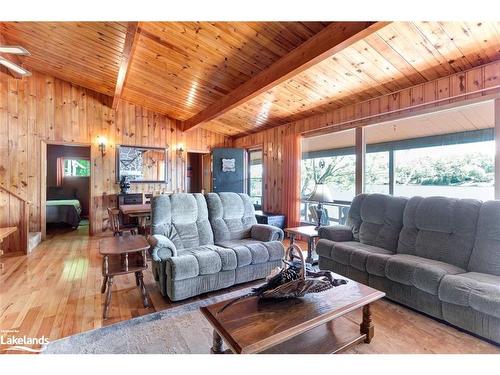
x: 76, y: 168
x: 338, y: 172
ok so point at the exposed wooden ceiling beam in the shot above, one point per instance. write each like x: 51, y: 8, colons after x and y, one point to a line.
x: 128, y: 51
x: 329, y: 41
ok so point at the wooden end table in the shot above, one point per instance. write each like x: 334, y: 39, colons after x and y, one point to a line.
x: 140, y: 211
x: 313, y: 324
x: 123, y: 255
x: 311, y: 234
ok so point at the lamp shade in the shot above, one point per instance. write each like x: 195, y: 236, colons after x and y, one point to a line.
x: 321, y: 193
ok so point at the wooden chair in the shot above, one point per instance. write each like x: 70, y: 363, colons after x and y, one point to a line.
x: 116, y: 226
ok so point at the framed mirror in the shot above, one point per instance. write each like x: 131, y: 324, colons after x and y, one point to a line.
x: 141, y: 164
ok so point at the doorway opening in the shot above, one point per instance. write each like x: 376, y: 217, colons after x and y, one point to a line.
x: 198, y: 172
x: 67, y: 204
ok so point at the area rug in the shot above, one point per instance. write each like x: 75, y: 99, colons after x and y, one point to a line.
x: 180, y: 330
x: 184, y: 330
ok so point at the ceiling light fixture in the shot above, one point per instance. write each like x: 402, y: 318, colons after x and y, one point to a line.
x: 14, y: 67
x: 14, y: 50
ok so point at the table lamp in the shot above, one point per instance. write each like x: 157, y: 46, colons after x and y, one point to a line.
x: 320, y: 194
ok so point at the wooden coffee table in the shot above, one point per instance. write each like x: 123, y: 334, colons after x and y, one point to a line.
x: 312, y: 324
x: 123, y: 255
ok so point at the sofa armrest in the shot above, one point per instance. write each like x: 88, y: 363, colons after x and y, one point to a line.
x: 161, y: 248
x: 337, y: 233
x: 266, y: 233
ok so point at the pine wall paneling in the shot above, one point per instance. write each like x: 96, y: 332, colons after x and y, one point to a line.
x: 42, y: 110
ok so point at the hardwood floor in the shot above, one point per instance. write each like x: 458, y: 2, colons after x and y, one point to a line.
x: 55, y: 292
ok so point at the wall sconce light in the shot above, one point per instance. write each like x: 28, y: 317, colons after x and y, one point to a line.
x: 180, y: 150
x: 101, y: 141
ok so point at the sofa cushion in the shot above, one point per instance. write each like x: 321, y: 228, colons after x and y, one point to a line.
x: 354, y: 215
x: 190, y: 219
x: 354, y: 254
x: 485, y: 256
x: 324, y: 248
x: 231, y: 215
x: 227, y: 257
x: 202, y: 260
x: 182, y: 218
x: 439, y: 228
x: 422, y: 273
x: 380, y: 220
x: 161, y: 220
x: 376, y: 263
x: 249, y: 251
x: 183, y: 266
x: 478, y: 291
x: 336, y: 233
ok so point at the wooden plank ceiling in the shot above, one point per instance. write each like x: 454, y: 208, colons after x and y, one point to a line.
x: 85, y: 53
x: 398, y: 56
x: 181, y: 68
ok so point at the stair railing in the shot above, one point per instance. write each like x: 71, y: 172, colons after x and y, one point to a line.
x: 24, y: 221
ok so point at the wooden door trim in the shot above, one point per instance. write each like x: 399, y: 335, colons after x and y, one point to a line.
x: 194, y: 151
x: 43, y: 183
x: 203, y: 169
x: 43, y: 189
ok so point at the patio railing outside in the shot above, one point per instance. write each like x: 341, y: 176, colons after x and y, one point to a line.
x: 337, y: 211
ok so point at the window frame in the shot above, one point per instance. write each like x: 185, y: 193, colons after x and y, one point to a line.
x: 75, y: 158
x: 249, y: 179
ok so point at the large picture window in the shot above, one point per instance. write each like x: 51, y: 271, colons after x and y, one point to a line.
x: 457, y: 165
x: 459, y: 171
x: 377, y: 172
x: 255, y: 172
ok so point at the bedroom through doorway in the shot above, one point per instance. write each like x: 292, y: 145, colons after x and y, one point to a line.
x: 67, y: 204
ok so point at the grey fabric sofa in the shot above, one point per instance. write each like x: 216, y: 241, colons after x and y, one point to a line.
x: 198, y: 248
x: 437, y: 255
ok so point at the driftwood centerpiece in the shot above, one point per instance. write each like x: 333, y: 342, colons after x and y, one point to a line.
x: 296, y: 279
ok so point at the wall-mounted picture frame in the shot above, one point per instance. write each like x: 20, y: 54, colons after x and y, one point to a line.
x: 228, y: 165
x: 141, y: 164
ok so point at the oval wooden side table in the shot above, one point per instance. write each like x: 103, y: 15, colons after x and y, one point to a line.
x: 123, y: 255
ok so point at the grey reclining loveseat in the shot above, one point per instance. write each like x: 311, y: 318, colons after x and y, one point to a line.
x: 437, y: 255
x: 198, y: 248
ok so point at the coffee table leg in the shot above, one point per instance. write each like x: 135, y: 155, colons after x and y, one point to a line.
x: 140, y: 279
x: 366, y: 327
x: 107, y: 302
x: 217, y: 344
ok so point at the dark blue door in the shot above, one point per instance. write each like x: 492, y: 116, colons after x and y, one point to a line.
x: 228, y: 169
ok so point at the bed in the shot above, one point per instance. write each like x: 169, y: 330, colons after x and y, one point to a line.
x: 64, y: 211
